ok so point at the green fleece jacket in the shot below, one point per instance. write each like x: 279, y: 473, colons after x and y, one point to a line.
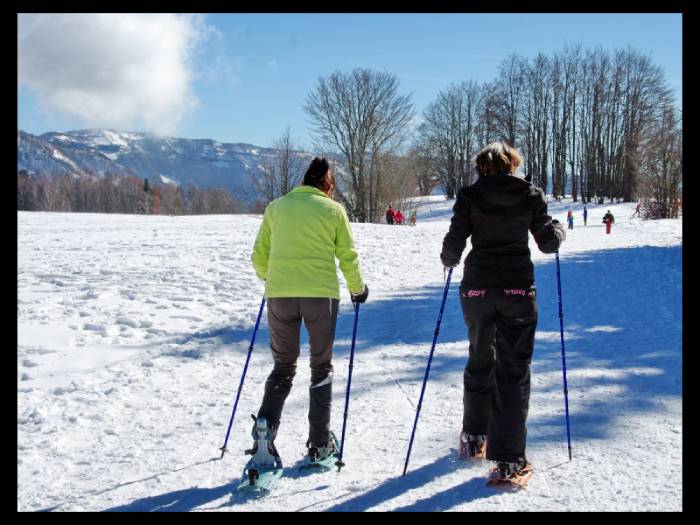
x: 301, y: 235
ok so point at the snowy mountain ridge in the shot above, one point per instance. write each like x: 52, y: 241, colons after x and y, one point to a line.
x: 202, y: 162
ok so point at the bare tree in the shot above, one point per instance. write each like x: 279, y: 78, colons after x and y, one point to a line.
x: 362, y: 114
x: 508, y: 97
x: 487, y: 125
x: 535, y: 99
x: 449, y: 134
x: 398, y: 183
x: 563, y: 87
x: 439, y: 137
x: 571, y: 60
x: 27, y: 199
x: 421, y: 163
x: 280, y: 172
x: 469, y: 143
x: 661, y: 162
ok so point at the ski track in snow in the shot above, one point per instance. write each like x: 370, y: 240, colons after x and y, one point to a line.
x: 133, y: 332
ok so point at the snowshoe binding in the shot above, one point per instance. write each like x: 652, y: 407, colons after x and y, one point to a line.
x: 264, y: 469
x: 511, y: 474
x: 323, y: 457
x: 472, y: 446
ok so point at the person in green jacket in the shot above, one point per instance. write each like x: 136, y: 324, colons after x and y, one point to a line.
x: 300, y: 237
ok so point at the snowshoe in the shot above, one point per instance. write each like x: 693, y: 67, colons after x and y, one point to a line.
x: 323, y: 457
x: 264, y: 469
x: 511, y: 474
x: 472, y: 446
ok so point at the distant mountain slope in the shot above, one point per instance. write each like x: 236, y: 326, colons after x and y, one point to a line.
x: 203, y: 162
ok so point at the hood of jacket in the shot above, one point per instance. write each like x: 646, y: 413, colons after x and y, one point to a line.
x: 501, y: 190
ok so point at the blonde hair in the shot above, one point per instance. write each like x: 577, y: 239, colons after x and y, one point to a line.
x: 496, y: 159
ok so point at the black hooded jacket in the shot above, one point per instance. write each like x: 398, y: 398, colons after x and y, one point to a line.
x: 498, y: 211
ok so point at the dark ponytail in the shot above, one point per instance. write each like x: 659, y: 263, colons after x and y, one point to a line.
x: 316, y: 173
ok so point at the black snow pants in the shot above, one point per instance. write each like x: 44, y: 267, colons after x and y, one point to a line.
x: 501, y: 326
x: 284, y: 321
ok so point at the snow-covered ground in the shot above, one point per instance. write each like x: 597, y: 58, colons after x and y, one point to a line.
x: 133, y: 332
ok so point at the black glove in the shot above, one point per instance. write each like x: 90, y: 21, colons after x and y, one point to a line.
x: 360, y: 297
x: 559, y: 230
x: 447, y: 262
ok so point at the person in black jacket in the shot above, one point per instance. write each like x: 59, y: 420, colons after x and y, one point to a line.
x: 498, y: 302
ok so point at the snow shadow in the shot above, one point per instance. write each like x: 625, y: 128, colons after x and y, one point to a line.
x: 622, y: 316
x: 387, y: 490
x: 125, y: 484
x: 623, y: 331
x: 623, y: 335
x: 177, y: 501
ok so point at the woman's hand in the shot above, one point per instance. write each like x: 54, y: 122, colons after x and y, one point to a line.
x: 360, y: 297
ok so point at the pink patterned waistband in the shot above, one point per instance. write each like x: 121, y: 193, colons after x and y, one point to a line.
x: 481, y: 292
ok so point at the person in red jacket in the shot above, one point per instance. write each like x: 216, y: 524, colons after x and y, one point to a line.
x: 389, y: 214
x: 608, y: 220
x: 636, y: 210
x: 398, y: 217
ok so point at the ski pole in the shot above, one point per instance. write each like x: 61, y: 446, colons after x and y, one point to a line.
x: 340, y: 463
x: 563, y: 358
x: 427, y: 369
x: 245, y: 369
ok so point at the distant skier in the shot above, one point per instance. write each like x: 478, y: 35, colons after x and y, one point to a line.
x: 389, y: 214
x: 300, y: 237
x: 636, y: 210
x: 608, y: 220
x: 585, y: 216
x: 570, y: 219
x: 412, y: 219
x: 398, y: 217
x: 498, y: 304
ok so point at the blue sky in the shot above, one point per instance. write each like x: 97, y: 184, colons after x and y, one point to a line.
x: 250, y: 73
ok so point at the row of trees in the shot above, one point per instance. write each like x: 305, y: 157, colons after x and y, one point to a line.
x: 118, y: 194
x: 281, y: 172
x: 590, y: 123
x: 586, y: 122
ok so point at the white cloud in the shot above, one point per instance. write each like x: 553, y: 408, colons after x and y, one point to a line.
x: 112, y: 70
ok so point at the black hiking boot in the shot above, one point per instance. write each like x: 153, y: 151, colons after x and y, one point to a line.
x: 317, y: 453
x: 472, y: 446
x: 506, y: 470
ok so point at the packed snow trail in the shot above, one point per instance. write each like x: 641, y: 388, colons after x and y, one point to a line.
x: 133, y: 332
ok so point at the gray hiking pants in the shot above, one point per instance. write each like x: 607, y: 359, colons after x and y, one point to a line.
x: 284, y: 315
